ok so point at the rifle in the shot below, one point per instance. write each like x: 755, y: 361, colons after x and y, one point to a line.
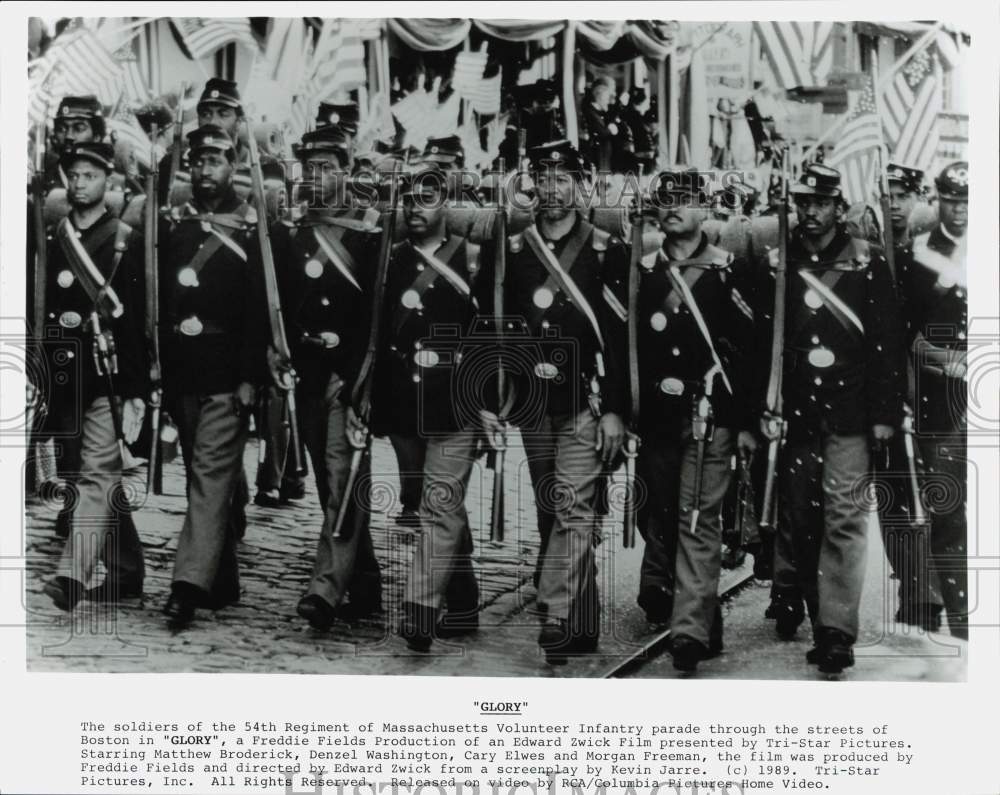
x: 361, y: 395
x: 38, y: 217
x: 773, y: 398
x: 176, y: 146
x: 499, y: 442
x: 631, y: 448
x: 702, y: 429
x: 277, y: 322
x: 154, y: 472
x: 41, y: 267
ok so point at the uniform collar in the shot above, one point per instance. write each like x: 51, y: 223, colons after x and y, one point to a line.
x: 101, y: 220
x: 230, y: 202
x: 832, y: 252
x: 698, y: 251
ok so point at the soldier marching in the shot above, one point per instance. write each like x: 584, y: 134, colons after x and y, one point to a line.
x: 368, y: 305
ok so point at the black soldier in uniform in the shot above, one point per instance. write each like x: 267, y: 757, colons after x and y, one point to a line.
x: 843, y: 388
x: 78, y: 120
x: 220, y: 105
x: 566, y: 279
x: 695, y: 331
x: 429, y: 305
x: 905, y: 537
x: 936, y: 308
x: 325, y: 271
x: 213, y: 342
x: 97, y: 377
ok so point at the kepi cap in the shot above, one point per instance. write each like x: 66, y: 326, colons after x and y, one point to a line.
x: 221, y: 92
x: 818, y: 180
x: 95, y: 151
x: 953, y: 181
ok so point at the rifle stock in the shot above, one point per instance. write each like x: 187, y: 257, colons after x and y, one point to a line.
x: 773, y: 397
x: 278, y: 338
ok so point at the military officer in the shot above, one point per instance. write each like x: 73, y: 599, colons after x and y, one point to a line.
x: 695, y: 327
x: 903, y: 533
x: 213, y: 342
x: 428, y: 306
x: 843, y: 388
x: 97, y: 377
x: 326, y: 268
x: 565, y: 278
x: 936, y: 308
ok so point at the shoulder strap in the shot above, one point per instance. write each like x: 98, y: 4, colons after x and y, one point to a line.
x: 560, y: 274
x: 98, y: 289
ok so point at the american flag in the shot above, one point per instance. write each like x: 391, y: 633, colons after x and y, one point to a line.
x: 856, y: 154
x: 912, y: 102
x: 125, y: 127
x: 134, y: 85
x: 339, y: 60
x: 41, y: 98
x: 84, y: 66
x: 203, y: 35
x: 800, y: 53
x: 422, y: 116
x: 483, y: 93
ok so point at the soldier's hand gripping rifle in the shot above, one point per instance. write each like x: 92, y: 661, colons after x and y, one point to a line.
x: 773, y: 400
x: 631, y: 447
x: 702, y: 430
x: 279, y: 340
x: 499, y: 440
x: 361, y: 396
x: 154, y: 472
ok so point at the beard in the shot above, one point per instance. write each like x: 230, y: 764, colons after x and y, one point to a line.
x: 206, y: 190
x: 84, y: 203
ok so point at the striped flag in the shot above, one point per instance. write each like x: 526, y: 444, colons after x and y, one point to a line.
x: 85, y: 66
x: 912, y: 102
x: 856, y: 154
x: 41, y: 97
x: 800, y: 53
x: 483, y: 93
x: 202, y: 36
x: 134, y: 85
x: 369, y: 29
x: 339, y: 60
x: 125, y: 127
x: 469, y: 68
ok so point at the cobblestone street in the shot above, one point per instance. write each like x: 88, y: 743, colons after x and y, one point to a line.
x: 263, y: 634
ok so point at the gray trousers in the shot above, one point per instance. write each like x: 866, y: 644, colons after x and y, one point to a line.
x: 565, y: 468
x: 822, y: 534
x: 102, y: 530
x: 446, y: 542
x: 212, y: 436
x: 685, y: 564
x: 346, y: 564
